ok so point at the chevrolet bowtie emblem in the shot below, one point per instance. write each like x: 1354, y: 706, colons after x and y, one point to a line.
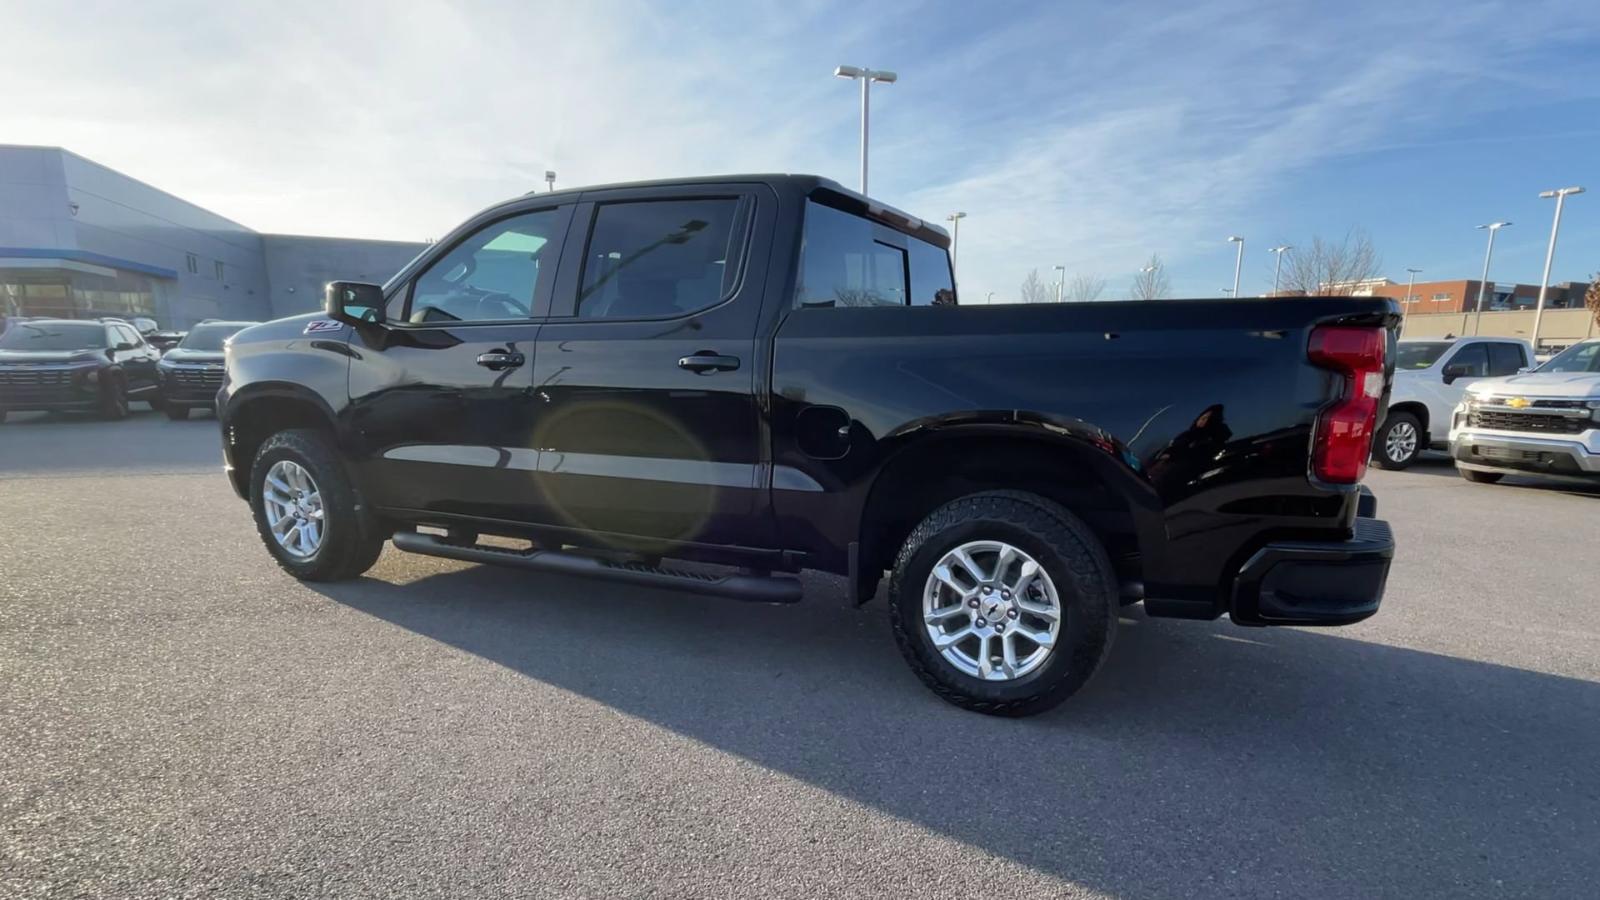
x: 1518, y: 402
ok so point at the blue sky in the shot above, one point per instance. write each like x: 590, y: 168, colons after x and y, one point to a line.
x: 1082, y: 134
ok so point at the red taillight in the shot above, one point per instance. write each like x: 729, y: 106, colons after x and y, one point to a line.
x: 1343, y: 441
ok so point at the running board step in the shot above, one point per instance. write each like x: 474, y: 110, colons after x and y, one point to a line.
x: 756, y: 588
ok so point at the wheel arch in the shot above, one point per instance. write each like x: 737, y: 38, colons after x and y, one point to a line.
x: 1416, y: 408
x: 257, y: 411
x: 1066, y: 461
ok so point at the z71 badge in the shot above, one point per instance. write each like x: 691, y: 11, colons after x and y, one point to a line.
x: 316, y: 325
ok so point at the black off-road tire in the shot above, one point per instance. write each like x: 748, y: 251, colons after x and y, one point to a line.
x: 1069, y: 552
x: 1477, y: 477
x: 352, y: 538
x: 113, y: 399
x: 175, y: 412
x: 1380, y: 445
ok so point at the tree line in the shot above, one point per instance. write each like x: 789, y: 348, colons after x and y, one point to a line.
x: 1320, y: 267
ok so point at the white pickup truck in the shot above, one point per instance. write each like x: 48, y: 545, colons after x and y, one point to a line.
x: 1430, y: 379
x: 1546, y: 422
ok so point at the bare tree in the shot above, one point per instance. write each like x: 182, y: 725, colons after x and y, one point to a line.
x: 1152, y: 283
x: 1035, y: 290
x: 1083, y: 288
x: 1591, y: 297
x: 1325, y: 267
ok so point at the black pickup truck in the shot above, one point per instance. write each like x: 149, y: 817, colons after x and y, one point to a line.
x: 753, y: 375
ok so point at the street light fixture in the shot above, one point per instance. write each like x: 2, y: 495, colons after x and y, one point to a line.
x: 1550, y: 254
x: 1411, y: 282
x: 866, y: 77
x: 955, y: 243
x: 1483, y: 285
x: 550, y: 179
x: 1278, y: 266
x: 1061, y: 282
x: 1238, y: 261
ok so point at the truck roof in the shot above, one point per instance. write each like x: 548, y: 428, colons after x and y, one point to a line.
x: 801, y: 184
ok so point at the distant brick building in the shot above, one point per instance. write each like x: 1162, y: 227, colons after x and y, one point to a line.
x: 1462, y: 295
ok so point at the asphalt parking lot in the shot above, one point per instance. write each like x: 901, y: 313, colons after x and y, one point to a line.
x: 180, y: 719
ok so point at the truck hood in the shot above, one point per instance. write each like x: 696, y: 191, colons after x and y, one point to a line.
x: 194, y: 357
x: 316, y: 325
x: 48, y: 357
x: 1572, y: 385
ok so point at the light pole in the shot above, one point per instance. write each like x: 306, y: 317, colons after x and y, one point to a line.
x: 1238, y: 261
x: 1411, y: 282
x: 867, y: 77
x: 955, y: 243
x: 1278, y: 266
x: 1550, y: 254
x: 1483, y: 285
x: 1061, y: 282
x: 550, y: 179
x: 989, y: 299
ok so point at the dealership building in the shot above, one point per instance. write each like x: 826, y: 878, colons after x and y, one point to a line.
x: 80, y: 240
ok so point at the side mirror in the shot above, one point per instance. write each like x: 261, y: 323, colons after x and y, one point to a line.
x: 1461, y: 370
x: 354, y: 302
x: 126, y: 345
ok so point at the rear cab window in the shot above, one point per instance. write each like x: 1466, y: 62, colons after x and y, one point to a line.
x: 848, y: 260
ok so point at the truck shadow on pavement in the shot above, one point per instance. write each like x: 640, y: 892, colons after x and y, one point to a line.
x: 1205, y: 758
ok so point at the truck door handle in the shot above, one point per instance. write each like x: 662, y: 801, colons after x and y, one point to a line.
x: 706, y: 361
x: 500, y: 360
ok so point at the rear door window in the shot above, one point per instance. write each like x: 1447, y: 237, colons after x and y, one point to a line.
x: 1506, y: 359
x: 661, y: 258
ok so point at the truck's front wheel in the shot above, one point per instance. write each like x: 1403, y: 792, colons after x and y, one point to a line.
x: 307, y: 511
x: 1003, y: 603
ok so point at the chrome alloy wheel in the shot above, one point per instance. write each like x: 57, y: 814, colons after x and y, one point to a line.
x: 1401, y: 443
x: 294, y: 509
x: 991, y: 610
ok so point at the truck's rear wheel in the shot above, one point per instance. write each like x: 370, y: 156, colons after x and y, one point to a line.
x: 307, y: 511
x: 1003, y: 603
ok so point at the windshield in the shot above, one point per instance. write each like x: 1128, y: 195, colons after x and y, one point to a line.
x: 1577, y: 358
x: 54, y: 336
x: 1419, y: 354
x: 209, y: 337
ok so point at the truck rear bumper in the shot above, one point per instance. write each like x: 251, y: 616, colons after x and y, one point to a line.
x: 1315, y: 582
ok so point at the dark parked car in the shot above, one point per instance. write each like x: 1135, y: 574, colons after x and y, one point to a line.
x: 73, y: 365
x: 771, y: 372
x: 191, y: 372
